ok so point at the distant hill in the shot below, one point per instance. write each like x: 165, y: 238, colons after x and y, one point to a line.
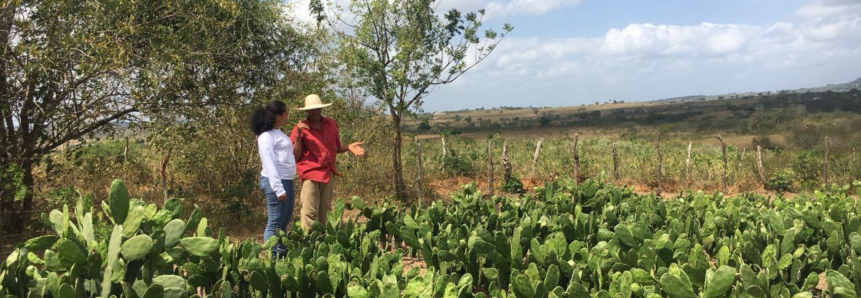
x: 856, y: 84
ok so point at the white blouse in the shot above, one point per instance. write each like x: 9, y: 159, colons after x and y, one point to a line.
x: 276, y: 155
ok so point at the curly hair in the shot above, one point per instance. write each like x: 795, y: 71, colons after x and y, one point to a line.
x: 263, y: 118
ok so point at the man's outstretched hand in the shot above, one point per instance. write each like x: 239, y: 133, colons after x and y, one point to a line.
x: 356, y: 148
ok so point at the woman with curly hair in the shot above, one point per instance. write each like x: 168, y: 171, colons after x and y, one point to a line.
x: 279, y: 168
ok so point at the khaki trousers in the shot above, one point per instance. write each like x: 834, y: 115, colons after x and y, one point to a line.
x: 316, y: 201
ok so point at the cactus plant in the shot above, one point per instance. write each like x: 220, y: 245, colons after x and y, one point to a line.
x: 137, y: 247
x: 119, y: 201
x: 609, y: 242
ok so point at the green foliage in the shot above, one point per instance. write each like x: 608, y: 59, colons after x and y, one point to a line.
x: 781, y: 181
x: 88, y: 69
x: 765, y: 143
x: 457, y: 164
x: 564, y: 239
x: 545, y: 121
x: 12, y: 186
x: 425, y: 125
x: 512, y: 185
x: 807, y: 167
x: 398, y: 51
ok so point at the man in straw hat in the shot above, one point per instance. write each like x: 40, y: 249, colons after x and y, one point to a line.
x: 316, y: 145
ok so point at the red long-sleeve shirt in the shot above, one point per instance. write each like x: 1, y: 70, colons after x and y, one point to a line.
x: 319, y: 151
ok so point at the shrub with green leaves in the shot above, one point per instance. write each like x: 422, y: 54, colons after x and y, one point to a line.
x: 781, y: 181
x: 457, y: 164
x: 512, y: 185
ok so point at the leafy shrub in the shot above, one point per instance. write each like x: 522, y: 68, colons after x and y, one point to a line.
x: 234, y: 196
x: 781, y: 181
x: 457, y: 164
x: 765, y: 142
x: 452, y: 132
x: 424, y: 125
x: 808, y: 168
x: 12, y: 186
x: 12, y: 191
x: 512, y: 185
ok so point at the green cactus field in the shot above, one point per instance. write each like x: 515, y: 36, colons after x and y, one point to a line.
x: 560, y: 240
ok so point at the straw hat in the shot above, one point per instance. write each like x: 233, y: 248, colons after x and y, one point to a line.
x: 313, y: 102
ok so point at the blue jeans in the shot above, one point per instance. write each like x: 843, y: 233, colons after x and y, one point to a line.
x: 278, y: 212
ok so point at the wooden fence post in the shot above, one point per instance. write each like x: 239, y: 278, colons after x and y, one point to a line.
x: 688, y: 166
x: 825, y: 163
x: 444, y: 152
x: 759, y: 167
x: 576, y: 160
x: 615, y: 162
x: 535, y: 157
x: 126, y: 152
x: 490, y: 167
x: 660, y: 164
x: 723, y: 153
x: 419, y: 172
x: 506, y: 163
x: 164, y: 175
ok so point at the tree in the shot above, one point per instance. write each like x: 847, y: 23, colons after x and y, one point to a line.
x: 401, y: 50
x: 70, y: 69
x: 468, y: 119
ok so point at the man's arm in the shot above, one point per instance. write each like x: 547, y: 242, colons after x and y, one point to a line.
x: 296, y: 136
x: 355, y: 148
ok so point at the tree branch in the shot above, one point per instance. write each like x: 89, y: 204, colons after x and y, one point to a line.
x: 89, y: 129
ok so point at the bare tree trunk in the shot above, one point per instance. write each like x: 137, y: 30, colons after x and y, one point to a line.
x: 615, y: 162
x: 419, y: 172
x: 506, y: 164
x: 490, y: 168
x: 759, y: 169
x: 164, y: 176
x: 660, y: 165
x: 825, y: 163
x: 576, y: 160
x: 400, y: 188
x: 723, y: 175
x: 535, y: 157
x: 688, y: 166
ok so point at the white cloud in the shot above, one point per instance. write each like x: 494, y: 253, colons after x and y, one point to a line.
x: 651, y: 61
x: 705, y: 39
x: 648, y: 49
x: 828, y: 8
x: 299, y: 10
x: 527, y: 7
x: 843, y: 28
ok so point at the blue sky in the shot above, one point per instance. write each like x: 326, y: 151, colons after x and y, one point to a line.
x: 568, y: 52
